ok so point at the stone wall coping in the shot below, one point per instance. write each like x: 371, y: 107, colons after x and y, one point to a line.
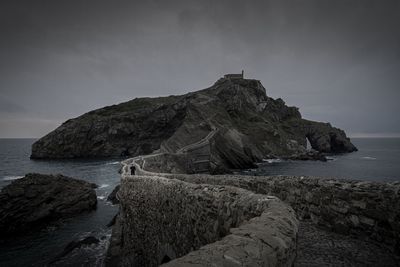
x: 266, y: 239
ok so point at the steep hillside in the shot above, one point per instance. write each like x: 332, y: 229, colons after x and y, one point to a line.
x: 249, y: 126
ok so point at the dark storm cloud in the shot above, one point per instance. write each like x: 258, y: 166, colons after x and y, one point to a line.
x: 336, y: 60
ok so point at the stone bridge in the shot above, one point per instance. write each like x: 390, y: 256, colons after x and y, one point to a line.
x: 233, y: 220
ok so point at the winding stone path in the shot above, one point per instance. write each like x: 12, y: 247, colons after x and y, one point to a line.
x: 317, y: 247
x: 198, y: 143
x: 344, y: 199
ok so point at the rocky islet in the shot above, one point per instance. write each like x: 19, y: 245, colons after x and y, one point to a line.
x: 246, y: 125
x: 36, y: 200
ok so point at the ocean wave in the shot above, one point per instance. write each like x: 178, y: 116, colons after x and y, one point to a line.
x: 103, y: 186
x: 113, y: 163
x: 101, y: 197
x: 11, y: 178
x: 369, y: 158
x: 272, y: 160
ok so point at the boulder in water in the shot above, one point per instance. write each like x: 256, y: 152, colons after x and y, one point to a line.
x: 37, y: 199
x: 112, y: 197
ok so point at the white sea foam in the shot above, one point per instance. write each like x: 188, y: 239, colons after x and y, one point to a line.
x: 369, y: 158
x: 101, y: 197
x: 103, y: 186
x: 113, y: 163
x: 11, y: 178
x: 272, y: 160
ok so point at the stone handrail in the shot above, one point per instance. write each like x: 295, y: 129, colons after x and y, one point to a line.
x: 140, y: 171
x: 256, y: 230
x: 369, y: 209
x: 165, y: 219
x: 126, y: 165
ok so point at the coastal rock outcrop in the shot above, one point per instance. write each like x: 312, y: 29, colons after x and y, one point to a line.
x: 75, y: 244
x: 112, y: 197
x: 239, y: 122
x: 37, y: 199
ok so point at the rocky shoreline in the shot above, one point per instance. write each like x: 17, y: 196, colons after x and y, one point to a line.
x: 36, y: 200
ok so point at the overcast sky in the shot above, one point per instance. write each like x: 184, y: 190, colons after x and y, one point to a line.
x: 338, y: 61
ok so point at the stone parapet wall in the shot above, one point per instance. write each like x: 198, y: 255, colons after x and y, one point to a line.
x: 369, y: 209
x: 366, y: 209
x: 195, y: 225
x: 137, y: 162
x: 166, y: 163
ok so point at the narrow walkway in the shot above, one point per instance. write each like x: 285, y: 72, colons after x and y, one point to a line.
x: 317, y: 247
x: 198, y: 143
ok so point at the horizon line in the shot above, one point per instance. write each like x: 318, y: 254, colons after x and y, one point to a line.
x: 351, y: 135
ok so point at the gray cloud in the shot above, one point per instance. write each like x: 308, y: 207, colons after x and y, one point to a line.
x: 336, y: 60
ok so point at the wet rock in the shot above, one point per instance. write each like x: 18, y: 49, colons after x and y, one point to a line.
x: 113, y: 220
x: 325, y: 138
x: 308, y: 155
x: 76, y: 244
x: 112, y: 197
x: 38, y: 199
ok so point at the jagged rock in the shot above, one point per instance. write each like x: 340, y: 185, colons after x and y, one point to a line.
x: 113, y: 220
x: 37, y: 199
x: 76, y: 244
x: 325, y: 138
x: 308, y: 155
x: 249, y: 125
x: 112, y: 197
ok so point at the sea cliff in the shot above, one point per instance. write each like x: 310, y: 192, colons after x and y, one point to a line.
x: 241, y: 123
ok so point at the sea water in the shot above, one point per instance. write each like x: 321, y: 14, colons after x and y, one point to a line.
x: 376, y: 160
x: 39, y: 248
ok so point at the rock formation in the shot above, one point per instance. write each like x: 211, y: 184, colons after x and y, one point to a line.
x: 75, y: 244
x: 112, y: 197
x: 245, y: 123
x: 37, y: 199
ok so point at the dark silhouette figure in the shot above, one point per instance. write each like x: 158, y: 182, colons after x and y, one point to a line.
x: 133, y: 169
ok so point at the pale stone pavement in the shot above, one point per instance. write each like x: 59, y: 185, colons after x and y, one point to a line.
x: 318, y: 247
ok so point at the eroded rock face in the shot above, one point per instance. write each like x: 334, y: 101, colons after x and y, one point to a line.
x: 112, y: 197
x: 249, y: 126
x: 75, y: 244
x: 37, y: 199
x: 325, y: 138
